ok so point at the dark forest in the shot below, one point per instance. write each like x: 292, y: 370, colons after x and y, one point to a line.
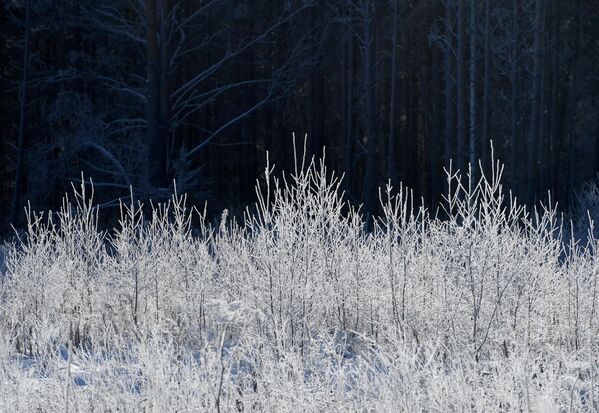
x: 141, y: 93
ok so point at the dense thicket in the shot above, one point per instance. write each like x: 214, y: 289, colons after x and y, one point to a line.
x: 141, y: 92
x: 296, y: 307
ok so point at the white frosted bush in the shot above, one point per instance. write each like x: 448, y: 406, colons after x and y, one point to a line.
x: 482, y: 306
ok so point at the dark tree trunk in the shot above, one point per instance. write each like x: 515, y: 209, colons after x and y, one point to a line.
x: 348, y: 147
x: 369, y: 194
x: 391, y: 166
x: 435, y: 131
x: 542, y: 135
x: 515, y: 93
x: 555, y: 89
x: 23, y: 103
x: 535, y: 115
x: 316, y: 131
x: 472, y: 103
x: 449, y: 133
x: 461, y: 86
x: 153, y: 108
x: 487, y: 88
x: 164, y: 107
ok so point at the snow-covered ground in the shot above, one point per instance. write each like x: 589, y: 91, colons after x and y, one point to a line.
x: 297, y: 308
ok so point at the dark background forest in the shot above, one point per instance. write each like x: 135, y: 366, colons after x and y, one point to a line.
x: 138, y: 93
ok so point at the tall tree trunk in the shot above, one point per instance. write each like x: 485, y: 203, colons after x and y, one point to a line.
x: 435, y: 131
x: 317, y: 95
x: 22, y: 118
x: 391, y: 167
x: 542, y: 134
x: 154, y: 137
x: 348, y: 147
x: 370, y: 174
x: 554, y: 115
x: 533, y: 136
x: 461, y: 86
x: 164, y: 108
x: 449, y: 133
x: 472, y: 105
x: 515, y: 93
x: 487, y: 88
x: 572, y: 109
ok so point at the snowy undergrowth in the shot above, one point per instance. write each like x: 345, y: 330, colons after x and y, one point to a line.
x: 297, y: 308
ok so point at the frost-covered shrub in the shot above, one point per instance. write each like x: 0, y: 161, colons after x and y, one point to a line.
x: 297, y: 307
